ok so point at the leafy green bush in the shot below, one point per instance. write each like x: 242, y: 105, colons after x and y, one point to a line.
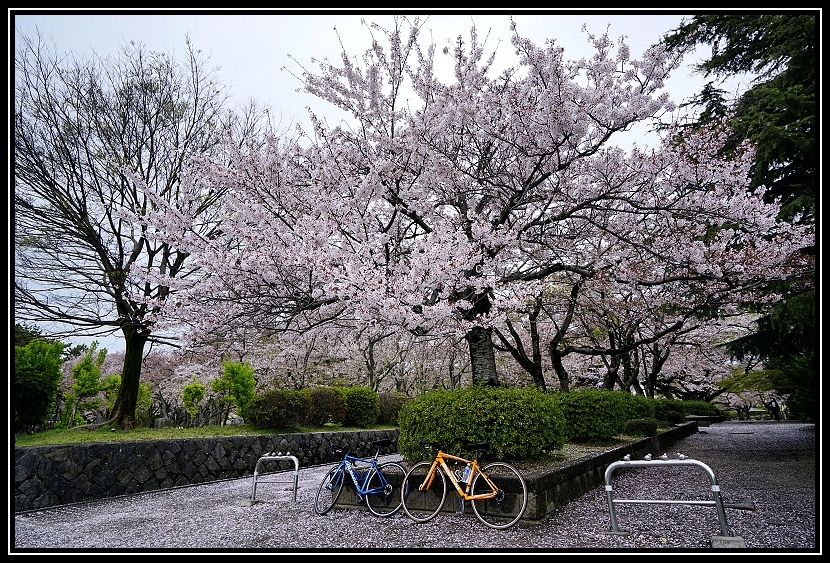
x: 670, y: 410
x: 362, y: 406
x: 37, y: 375
x: 597, y: 415
x: 637, y: 406
x: 328, y: 405
x: 519, y: 423
x: 192, y: 395
x: 390, y: 405
x: 87, y: 381
x: 641, y: 427
x: 674, y: 417
x: 700, y: 408
x: 70, y: 417
x: 281, y: 409
x: 144, y: 404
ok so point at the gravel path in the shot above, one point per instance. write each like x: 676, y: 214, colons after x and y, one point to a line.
x: 766, y: 465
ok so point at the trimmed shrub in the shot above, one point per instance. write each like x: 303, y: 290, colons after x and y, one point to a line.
x: 518, y: 423
x: 674, y: 417
x: 641, y: 427
x: 362, y: 406
x: 280, y: 409
x: 700, y: 408
x: 596, y: 415
x: 637, y: 406
x: 328, y: 405
x: 670, y: 410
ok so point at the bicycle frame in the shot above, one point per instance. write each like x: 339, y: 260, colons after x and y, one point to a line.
x: 440, y: 463
x: 348, y: 463
x: 377, y: 484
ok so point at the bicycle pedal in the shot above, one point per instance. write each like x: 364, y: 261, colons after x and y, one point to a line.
x: 359, y: 499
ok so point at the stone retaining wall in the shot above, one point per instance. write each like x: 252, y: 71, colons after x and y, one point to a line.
x: 47, y: 476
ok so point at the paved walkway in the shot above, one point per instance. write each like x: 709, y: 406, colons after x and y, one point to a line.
x: 766, y: 465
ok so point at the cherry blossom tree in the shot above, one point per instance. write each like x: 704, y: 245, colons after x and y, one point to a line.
x: 697, y: 365
x: 444, y: 216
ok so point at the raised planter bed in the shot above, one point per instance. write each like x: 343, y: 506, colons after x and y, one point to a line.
x: 559, y: 485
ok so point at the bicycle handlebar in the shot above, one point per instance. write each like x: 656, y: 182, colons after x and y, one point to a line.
x: 340, y: 451
x: 473, y: 446
x: 432, y: 445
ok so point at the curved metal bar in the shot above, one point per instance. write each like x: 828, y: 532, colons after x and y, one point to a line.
x: 276, y: 457
x: 717, y: 501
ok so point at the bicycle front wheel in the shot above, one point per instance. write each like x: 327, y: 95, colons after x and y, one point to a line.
x: 330, y: 488
x: 423, y: 505
x: 388, y: 479
x: 510, y: 502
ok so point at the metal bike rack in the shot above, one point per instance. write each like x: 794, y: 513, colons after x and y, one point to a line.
x: 274, y: 457
x: 717, y: 502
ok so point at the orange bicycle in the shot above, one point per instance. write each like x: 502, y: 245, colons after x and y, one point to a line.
x: 496, y: 491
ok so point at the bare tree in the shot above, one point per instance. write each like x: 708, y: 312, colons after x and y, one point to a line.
x: 87, y: 131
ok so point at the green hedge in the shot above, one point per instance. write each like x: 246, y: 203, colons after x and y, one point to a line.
x: 362, y: 406
x: 641, y: 427
x: 598, y: 415
x: 519, y: 423
x: 327, y: 405
x: 390, y: 406
x: 670, y: 410
x: 700, y: 408
x: 281, y: 409
x: 316, y: 406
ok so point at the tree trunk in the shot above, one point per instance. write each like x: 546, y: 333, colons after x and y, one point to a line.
x: 453, y: 383
x: 611, y: 376
x: 553, y: 346
x: 631, y: 369
x: 123, y: 412
x: 482, y: 356
x: 479, y: 339
x: 533, y: 364
x: 369, y: 361
x: 559, y: 369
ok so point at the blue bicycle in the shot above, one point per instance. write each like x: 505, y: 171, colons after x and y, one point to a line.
x: 378, y: 485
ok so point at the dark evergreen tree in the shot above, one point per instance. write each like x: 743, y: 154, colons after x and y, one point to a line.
x: 778, y: 113
x: 23, y: 334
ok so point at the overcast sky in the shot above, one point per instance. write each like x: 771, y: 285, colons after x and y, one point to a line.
x: 250, y: 50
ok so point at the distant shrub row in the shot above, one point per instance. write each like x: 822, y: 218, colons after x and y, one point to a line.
x: 518, y: 423
x: 361, y: 407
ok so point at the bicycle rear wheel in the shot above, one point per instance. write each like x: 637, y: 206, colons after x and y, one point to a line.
x: 330, y: 488
x: 510, y: 502
x: 423, y: 505
x: 387, y: 502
